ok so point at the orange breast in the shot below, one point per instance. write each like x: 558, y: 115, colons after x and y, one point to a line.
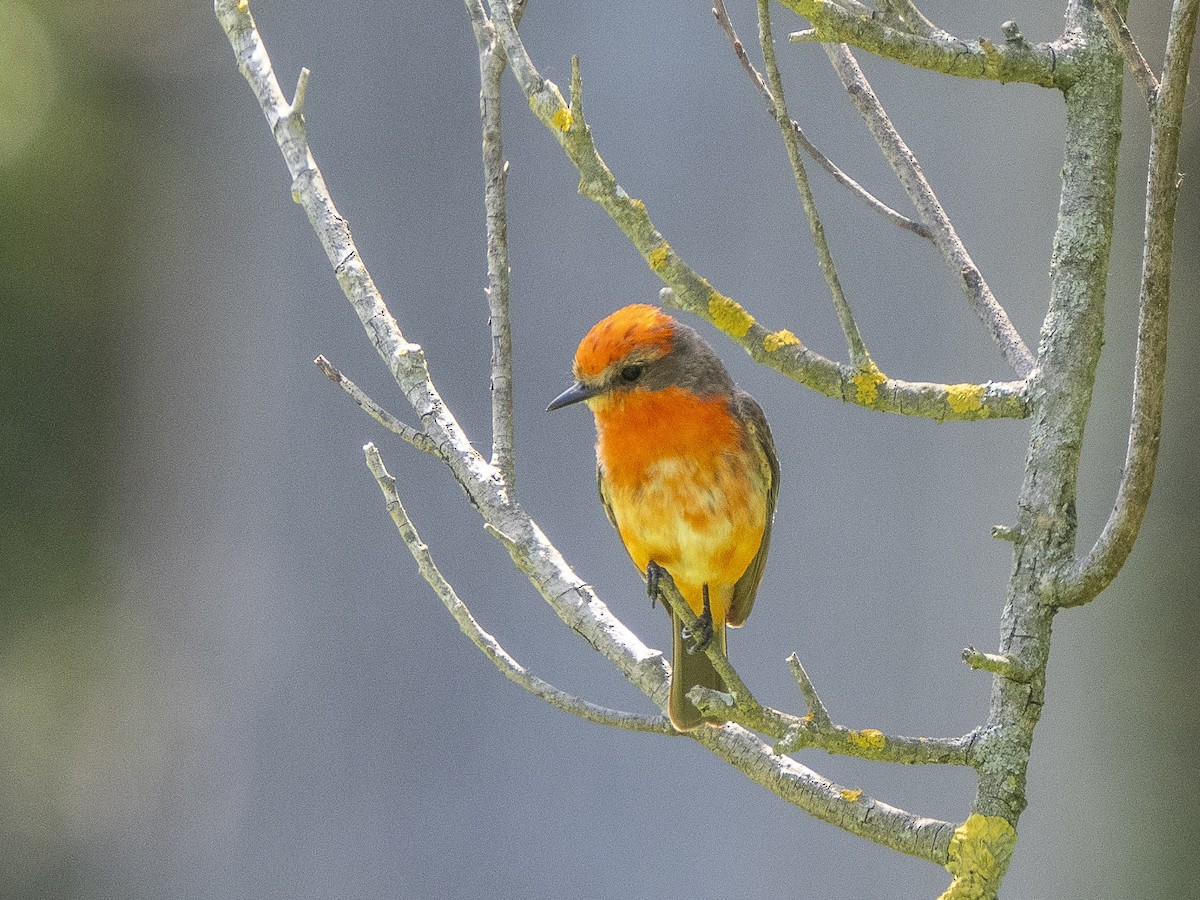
x: 683, y: 489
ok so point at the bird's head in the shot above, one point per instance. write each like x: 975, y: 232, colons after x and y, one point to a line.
x: 641, y: 348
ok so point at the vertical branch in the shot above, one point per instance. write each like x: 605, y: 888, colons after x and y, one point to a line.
x: 1071, y: 337
x: 858, y: 350
x: 1102, y: 563
x: 492, y: 62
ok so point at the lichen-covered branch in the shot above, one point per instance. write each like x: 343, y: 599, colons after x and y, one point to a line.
x: 814, y: 730
x: 1106, y: 557
x: 997, y: 664
x: 1071, y: 338
x: 848, y: 22
x: 846, y: 807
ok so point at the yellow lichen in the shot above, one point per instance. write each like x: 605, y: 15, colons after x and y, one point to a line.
x: 729, y: 315
x: 850, y: 794
x: 965, y: 398
x: 658, y: 257
x: 979, y: 854
x: 866, y: 384
x: 779, y: 339
x: 868, y: 739
x: 562, y: 119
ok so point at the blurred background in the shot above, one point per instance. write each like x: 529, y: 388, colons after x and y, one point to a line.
x: 220, y: 675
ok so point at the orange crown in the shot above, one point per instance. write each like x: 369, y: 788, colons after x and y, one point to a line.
x: 636, y: 327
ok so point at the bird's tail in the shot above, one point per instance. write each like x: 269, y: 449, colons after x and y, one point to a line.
x: 690, y: 669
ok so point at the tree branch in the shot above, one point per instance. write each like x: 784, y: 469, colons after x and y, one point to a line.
x: 1000, y: 664
x: 1071, y: 337
x: 847, y: 808
x: 1102, y: 563
x: 1119, y: 31
x: 418, y: 439
x: 849, y: 22
x: 492, y: 62
x: 814, y: 730
x: 854, y: 342
x: 908, y: 171
x: 870, y: 200
x: 491, y: 648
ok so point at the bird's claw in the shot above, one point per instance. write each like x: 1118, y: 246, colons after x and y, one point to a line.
x: 701, y: 635
x: 653, y: 575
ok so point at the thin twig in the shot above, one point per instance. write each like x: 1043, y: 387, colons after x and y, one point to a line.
x: 1118, y: 29
x: 854, y: 342
x: 491, y: 648
x: 1002, y: 664
x: 816, y: 708
x: 1102, y: 563
x: 945, y: 238
x: 418, y: 439
x: 841, y: 177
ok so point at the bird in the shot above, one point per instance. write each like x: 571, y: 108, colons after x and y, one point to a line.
x: 688, y: 474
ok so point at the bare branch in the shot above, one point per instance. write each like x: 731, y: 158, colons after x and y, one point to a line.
x: 870, y: 200
x: 509, y: 667
x: 928, y: 47
x: 854, y: 342
x: 1102, y: 563
x: 418, y: 439
x: 908, y: 170
x: 492, y: 62
x: 1118, y: 29
x: 847, y: 808
x: 404, y: 359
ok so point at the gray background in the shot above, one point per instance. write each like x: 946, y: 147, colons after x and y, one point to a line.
x: 229, y: 681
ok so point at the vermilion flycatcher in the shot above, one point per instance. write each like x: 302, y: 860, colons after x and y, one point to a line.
x: 687, y: 473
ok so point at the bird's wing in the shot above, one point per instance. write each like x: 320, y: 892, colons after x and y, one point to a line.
x: 758, y: 434
x: 600, y: 486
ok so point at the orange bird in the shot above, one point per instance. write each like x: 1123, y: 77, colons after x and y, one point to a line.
x: 687, y: 473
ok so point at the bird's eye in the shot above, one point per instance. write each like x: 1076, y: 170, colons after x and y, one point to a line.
x: 630, y: 374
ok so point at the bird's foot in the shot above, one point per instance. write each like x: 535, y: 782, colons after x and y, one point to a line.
x: 654, y: 573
